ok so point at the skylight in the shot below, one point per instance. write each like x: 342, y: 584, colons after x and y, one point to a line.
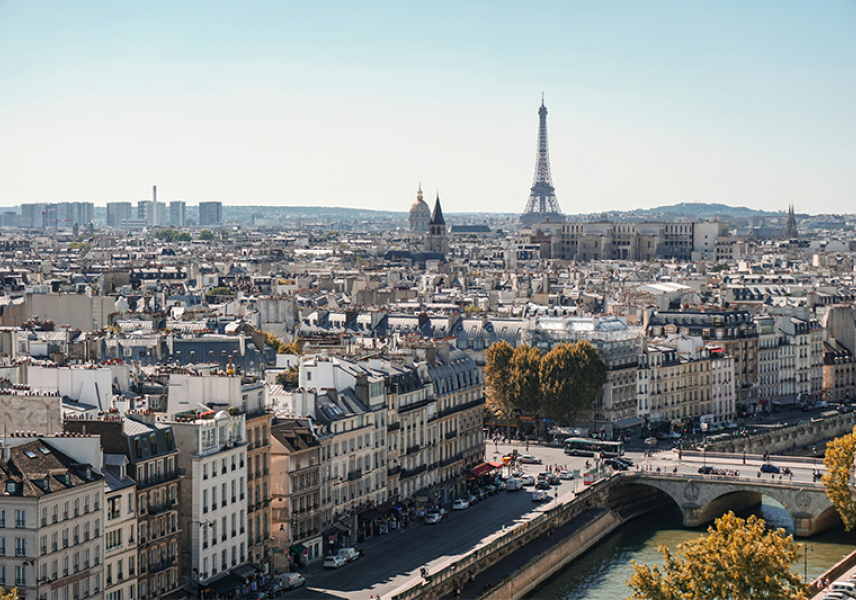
x: 30, y: 453
x: 44, y: 450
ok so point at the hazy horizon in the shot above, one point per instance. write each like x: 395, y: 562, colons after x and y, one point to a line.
x: 354, y: 105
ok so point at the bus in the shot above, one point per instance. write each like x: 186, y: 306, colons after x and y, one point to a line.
x: 590, y: 447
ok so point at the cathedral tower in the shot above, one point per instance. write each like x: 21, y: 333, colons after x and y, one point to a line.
x: 436, y: 240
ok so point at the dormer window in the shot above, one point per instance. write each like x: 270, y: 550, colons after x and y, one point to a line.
x: 10, y: 487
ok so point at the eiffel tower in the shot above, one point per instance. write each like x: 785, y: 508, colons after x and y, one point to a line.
x: 542, y: 204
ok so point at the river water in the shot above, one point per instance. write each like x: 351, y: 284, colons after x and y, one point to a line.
x: 602, y: 573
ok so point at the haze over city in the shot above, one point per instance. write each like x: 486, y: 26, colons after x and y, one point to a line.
x: 340, y: 104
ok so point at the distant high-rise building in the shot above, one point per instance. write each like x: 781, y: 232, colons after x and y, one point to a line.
x: 210, y: 213
x: 118, y: 212
x: 542, y: 205
x: 177, y: 212
x: 62, y: 215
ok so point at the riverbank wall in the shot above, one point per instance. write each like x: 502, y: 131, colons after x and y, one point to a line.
x: 525, y: 580
x: 445, y: 582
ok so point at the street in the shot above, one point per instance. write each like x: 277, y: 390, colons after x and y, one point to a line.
x: 393, y: 561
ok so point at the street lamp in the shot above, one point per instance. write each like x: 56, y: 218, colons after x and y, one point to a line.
x: 814, y: 453
x: 805, y: 572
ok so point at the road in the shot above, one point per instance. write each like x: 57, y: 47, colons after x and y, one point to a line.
x: 393, y: 561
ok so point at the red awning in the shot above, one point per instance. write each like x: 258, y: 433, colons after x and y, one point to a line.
x: 482, y: 469
x: 495, y: 465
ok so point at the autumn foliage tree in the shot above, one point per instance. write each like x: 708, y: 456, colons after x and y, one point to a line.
x: 738, y: 559
x: 572, y: 376
x: 497, y: 373
x: 838, y: 460
x: 525, y: 382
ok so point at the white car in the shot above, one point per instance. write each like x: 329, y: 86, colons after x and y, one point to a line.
x: 334, y: 562
x: 349, y: 554
x: 528, y: 459
x: 527, y: 480
x: 566, y: 474
x: 460, y: 504
x: 540, y: 495
x: 433, y: 518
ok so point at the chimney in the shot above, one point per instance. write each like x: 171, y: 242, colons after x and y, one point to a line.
x: 154, y: 193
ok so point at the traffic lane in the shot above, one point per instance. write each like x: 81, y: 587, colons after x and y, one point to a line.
x: 400, y: 556
x: 691, y: 465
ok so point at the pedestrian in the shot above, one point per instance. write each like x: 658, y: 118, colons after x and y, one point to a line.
x: 791, y: 476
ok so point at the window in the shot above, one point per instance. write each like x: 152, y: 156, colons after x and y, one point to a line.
x: 2, y: 546
x: 20, y: 547
x: 113, y: 539
x: 20, y: 576
x: 114, y: 507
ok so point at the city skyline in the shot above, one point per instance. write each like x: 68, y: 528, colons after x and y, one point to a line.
x: 333, y: 105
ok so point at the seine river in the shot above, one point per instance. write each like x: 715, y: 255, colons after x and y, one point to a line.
x: 603, y: 572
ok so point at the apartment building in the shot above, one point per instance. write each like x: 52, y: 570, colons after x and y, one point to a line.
x: 231, y: 393
x: 51, y: 543
x: 120, y: 529
x: 298, y: 518
x: 213, y: 511
x: 152, y: 454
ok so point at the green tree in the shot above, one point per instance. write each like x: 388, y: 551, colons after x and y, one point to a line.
x: 838, y: 460
x: 526, y: 382
x: 572, y: 376
x: 221, y: 291
x: 497, y: 372
x: 737, y: 560
x: 206, y: 235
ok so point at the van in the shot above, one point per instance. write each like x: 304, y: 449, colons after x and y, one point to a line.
x: 349, y: 554
x: 513, y: 484
x: 540, y: 495
x: 290, y: 581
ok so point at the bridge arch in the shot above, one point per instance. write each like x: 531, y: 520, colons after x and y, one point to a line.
x: 703, y: 498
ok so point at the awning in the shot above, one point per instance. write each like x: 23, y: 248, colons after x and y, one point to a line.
x: 244, y: 571
x: 495, y: 465
x: 632, y: 421
x: 482, y: 469
x: 341, y: 527
x: 298, y: 549
x: 370, y: 515
x: 223, y: 586
x: 784, y: 401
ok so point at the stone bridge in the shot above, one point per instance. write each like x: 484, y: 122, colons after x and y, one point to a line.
x: 703, y: 498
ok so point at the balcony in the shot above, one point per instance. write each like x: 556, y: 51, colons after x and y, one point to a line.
x: 393, y: 427
x: 152, y: 481
x: 413, y: 449
x: 451, y: 435
x: 355, y: 474
x: 393, y: 470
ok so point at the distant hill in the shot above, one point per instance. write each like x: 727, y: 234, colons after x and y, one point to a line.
x: 700, y: 210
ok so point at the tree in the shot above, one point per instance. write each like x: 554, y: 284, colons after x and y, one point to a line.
x: 10, y: 595
x: 737, y: 559
x: 838, y: 460
x: 572, y: 376
x: 526, y: 382
x: 497, y: 373
x: 206, y: 235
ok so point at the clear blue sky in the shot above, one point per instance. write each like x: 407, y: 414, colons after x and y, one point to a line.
x: 354, y: 103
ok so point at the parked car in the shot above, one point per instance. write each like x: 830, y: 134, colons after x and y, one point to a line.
x: 615, y: 464
x: 527, y: 480
x: 770, y: 468
x: 433, y: 518
x: 473, y: 499
x: 565, y: 474
x: 349, y: 554
x: 334, y: 562
x: 291, y: 580
x: 528, y: 459
x: 625, y: 460
x: 274, y: 589
x: 540, y: 496
x: 553, y: 479
x: 460, y: 504
x: 500, y: 486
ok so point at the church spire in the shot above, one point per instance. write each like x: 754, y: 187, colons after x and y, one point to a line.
x: 437, y: 215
